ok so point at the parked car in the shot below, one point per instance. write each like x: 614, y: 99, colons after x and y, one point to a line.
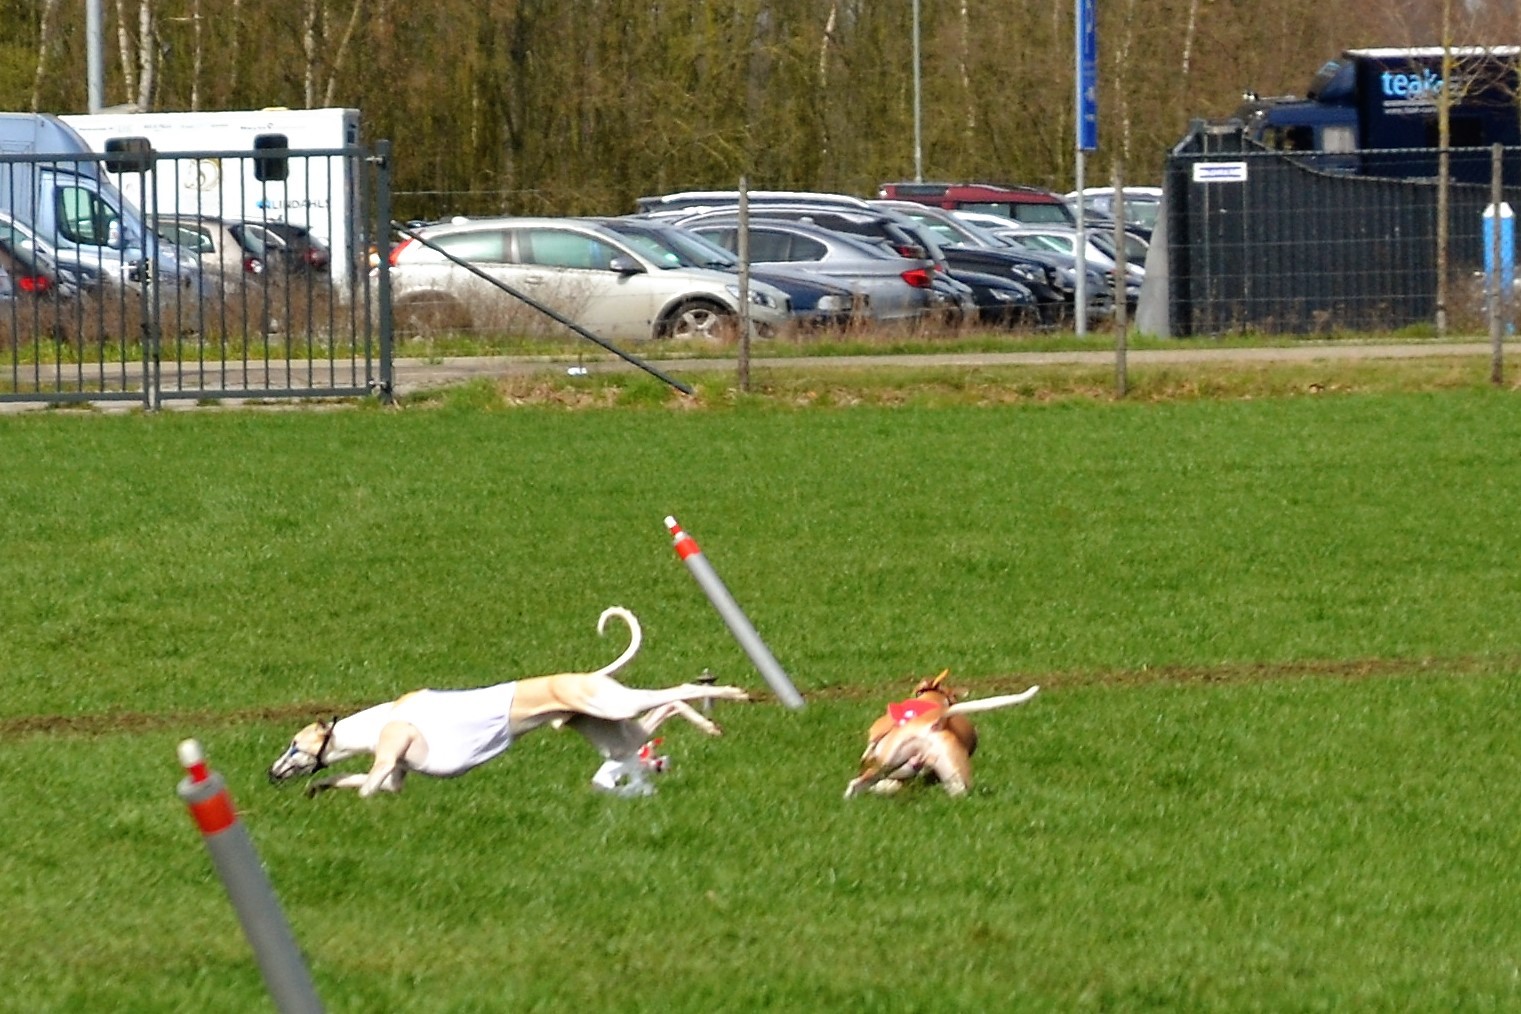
x: 969, y: 246
x: 30, y: 267
x: 817, y: 301
x: 1064, y: 242
x: 1142, y: 205
x: 892, y: 289
x: 687, y: 201
x: 230, y: 250
x: 1020, y: 204
x: 582, y: 271
x: 951, y: 300
x: 302, y: 250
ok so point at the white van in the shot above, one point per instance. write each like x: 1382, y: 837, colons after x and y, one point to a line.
x: 216, y: 169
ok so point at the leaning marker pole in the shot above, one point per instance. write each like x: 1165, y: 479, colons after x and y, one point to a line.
x: 739, y: 624
x: 248, y: 887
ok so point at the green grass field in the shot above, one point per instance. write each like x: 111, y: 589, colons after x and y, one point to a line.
x: 1270, y: 767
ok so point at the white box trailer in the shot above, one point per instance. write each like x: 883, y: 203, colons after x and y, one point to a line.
x: 218, y: 171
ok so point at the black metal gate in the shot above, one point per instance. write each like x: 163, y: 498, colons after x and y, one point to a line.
x: 202, y: 276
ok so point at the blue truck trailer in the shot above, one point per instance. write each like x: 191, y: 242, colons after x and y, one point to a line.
x: 1375, y: 112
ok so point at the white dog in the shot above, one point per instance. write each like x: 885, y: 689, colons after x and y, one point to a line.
x: 448, y: 732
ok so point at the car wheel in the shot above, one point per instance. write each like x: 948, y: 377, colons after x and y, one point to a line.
x: 430, y: 313
x: 696, y: 318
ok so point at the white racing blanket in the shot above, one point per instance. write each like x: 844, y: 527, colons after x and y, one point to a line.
x: 463, y: 728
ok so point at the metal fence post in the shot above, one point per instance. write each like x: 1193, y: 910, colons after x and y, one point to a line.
x: 385, y: 320
x: 1501, y: 257
x: 1121, y: 287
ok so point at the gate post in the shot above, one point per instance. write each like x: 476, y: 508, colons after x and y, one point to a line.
x: 383, y: 280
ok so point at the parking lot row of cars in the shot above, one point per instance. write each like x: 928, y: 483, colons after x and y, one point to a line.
x: 672, y: 269
x: 203, y: 255
x: 815, y: 260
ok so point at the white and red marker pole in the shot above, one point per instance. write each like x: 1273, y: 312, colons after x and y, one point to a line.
x: 739, y: 624
x: 232, y: 853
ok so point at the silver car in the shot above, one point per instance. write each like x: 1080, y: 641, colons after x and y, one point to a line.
x: 893, y: 288
x: 580, y: 270
x: 233, y: 251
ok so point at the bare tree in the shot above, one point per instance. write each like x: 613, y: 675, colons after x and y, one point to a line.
x: 125, y: 49
x: 147, y: 54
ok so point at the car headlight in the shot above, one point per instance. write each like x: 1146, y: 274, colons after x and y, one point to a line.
x: 833, y: 303
x: 757, y: 297
x: 1001, y: 296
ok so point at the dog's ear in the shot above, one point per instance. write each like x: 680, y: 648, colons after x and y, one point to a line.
x: 932, y: 685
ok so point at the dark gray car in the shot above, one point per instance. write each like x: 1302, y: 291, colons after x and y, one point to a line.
x: 893, y: 288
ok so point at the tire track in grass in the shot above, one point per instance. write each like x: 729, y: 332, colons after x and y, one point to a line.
x: 117, y: 722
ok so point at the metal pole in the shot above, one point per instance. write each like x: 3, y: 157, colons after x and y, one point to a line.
x: 918, y: 106
x: 95, y: 74
x: 1500, y: 280
x: 1121, y: 311
x: 387, y: 321
x: 248, y: 887
x: 739, y: 625
x: 1080, y: 294
x: 744, y: 283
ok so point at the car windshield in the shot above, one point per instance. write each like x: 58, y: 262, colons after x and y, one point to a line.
x: 673, y: 249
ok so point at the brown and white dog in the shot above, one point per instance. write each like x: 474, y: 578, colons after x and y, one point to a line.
x: 448, y: 732
x: 928, y: 735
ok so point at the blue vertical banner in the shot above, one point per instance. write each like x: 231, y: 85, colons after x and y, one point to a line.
x: 1087, y: 76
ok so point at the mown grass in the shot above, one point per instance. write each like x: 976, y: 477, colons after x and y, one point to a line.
x: 1266, y: 771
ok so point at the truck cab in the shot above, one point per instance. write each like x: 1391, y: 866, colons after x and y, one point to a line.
x: 1376, y: 112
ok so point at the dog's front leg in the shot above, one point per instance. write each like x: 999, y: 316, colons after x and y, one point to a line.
x: 389, y: 771
x: 334, y: 782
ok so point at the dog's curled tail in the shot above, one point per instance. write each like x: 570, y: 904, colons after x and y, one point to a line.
x: 987, y: 704
x: 636, y: 636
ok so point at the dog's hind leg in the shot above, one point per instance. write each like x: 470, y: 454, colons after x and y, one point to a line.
x: 654, y: 719
x: 952, y: 768
x: 604, y: 697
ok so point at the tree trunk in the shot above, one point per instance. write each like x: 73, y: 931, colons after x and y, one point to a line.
x: 147, y: 54
x: 44, y: 43
x: 124, y: 46
x: 330, y: 95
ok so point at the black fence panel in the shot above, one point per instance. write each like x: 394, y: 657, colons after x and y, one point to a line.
x: 1266, y: 241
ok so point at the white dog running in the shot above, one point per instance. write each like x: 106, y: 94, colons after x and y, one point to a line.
x: 448, y: 732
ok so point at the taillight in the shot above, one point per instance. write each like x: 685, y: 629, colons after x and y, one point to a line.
x: 919, y: 278
x: 252, y: 265
x: 35, y: 284
x: 396, y: 250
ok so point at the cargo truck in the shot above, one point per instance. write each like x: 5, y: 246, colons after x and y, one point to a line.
x: 1375, y: 112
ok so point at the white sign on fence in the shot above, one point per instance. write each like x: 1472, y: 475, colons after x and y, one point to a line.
x: 1219, y: 172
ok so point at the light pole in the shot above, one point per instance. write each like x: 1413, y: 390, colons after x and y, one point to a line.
x: 918, y: 116
x: 95, y: 76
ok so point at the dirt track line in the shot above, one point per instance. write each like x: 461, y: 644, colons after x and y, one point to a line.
x: 109, y: 723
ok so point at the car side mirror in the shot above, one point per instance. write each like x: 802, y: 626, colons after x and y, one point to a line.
x: 625, y: 265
